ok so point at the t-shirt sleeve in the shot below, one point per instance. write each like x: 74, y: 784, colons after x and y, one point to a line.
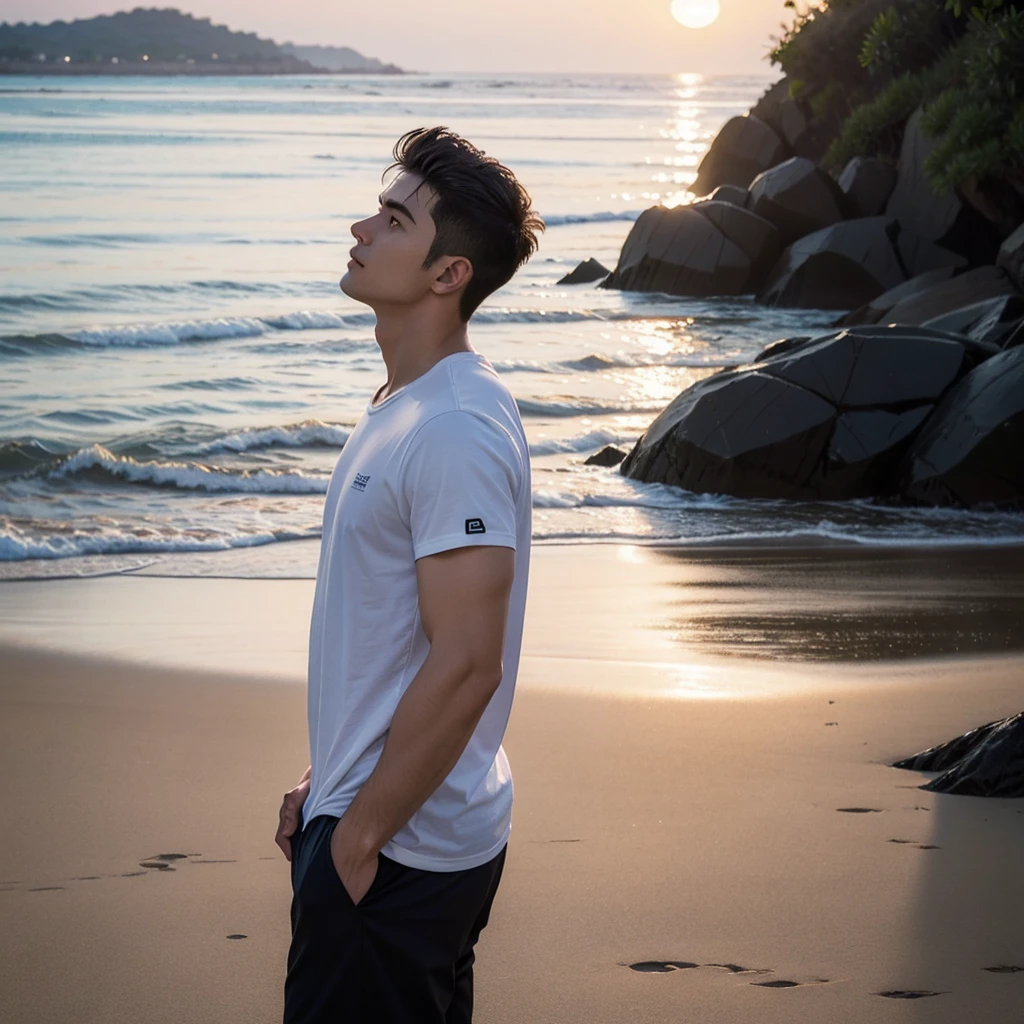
x: 459, y: 480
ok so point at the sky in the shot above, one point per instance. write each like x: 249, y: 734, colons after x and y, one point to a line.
x: 484, y: 35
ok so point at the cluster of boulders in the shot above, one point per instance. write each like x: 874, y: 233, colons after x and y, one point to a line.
x: 776, y: 225
x: 907, y: 414
x: 918, y: 396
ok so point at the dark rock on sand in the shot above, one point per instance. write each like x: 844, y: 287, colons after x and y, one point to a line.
x: 941, y: 218
x: 729, y: 194
x: 708, y: 248
x: 969, y: 453
x: 798, y: 197
x: 609, y: 455
x: 829, y: 419
x: 744, y: 148
x: 867, y: 183
x: 842, y: 267
x: 588, y: 271
x: 1011, y: 257
x: 987, y: 761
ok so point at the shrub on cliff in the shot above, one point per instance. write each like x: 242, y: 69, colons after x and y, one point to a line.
x: 864, y: 66
x: 979, y: 118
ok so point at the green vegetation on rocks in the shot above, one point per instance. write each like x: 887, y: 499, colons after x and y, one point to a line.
x: 861, y: 68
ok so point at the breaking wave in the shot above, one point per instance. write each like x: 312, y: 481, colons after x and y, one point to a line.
x: 189, y: 476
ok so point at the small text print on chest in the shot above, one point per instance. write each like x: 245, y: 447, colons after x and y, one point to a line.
x: 475, y: 526
x: 360, y: 482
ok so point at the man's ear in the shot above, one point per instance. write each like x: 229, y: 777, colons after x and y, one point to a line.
x: 456, y: 275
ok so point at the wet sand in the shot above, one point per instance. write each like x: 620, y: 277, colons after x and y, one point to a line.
x: 706, y: 825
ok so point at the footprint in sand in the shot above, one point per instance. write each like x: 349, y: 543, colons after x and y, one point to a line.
x: 158, y: 862
x: 905, y: 993
x: 665, y: 966
x: 660, y: 966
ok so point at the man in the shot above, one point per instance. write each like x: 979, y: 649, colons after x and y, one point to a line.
x: 405, y: 810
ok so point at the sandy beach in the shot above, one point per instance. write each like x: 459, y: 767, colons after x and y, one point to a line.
x: 706, y: 825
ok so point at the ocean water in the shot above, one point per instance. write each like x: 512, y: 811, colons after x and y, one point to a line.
x: 180, y: 370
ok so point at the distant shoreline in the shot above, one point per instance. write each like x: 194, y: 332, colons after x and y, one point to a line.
x: 166, y: 69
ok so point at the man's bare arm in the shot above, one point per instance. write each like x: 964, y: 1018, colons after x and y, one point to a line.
x: 463, y: 600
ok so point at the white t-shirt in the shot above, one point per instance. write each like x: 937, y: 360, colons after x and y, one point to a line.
x: 441, y: 463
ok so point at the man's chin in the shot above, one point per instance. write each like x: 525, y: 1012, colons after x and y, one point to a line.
x: 349, y: 287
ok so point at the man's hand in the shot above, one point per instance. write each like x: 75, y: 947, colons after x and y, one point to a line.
x: 291, y: 814
x: 356, y: 866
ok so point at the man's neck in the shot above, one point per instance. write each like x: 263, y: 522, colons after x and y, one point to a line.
x: 410, y: 345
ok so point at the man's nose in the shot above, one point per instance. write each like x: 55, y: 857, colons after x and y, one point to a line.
x: 361, y: 232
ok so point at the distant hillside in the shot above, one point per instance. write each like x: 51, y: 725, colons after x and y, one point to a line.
x: 340, y: 58
x: 159, y: 41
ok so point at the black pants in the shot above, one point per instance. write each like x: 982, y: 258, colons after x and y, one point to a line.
x: 402, y: 955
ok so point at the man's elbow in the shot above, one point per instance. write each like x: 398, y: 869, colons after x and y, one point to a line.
x: 480, y: 670
x: 484, y: 674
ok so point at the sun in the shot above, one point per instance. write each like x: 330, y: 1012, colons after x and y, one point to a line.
x: 695, y: 13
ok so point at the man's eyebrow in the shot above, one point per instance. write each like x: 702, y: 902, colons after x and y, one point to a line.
x: 394, y: 204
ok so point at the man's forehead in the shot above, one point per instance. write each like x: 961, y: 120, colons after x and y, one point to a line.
x: 409, y: 189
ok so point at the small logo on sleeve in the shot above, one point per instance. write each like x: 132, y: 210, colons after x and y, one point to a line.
x: 360, y: 482
x: 475, y: 526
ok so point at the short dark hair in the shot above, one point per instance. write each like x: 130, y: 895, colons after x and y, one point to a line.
x: 482, y: 212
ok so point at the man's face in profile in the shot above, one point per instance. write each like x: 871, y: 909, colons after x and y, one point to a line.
x: 387, y: 260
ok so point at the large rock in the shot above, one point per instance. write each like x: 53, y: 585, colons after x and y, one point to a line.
x: 803, y: 134
x: 588, y: 271
x: 998, y: 199
x: 729, y: 194
x: 963, y: 290
x: 794, y: 124
x: 768, y: 107
x: 841, y: 267
x: 941, y: 218
x: 876, y: 310
x: 990, y: 322
x: 709, y: 248
x: 986, y: 761
x: 798, y: 197
x: 867, y: 183
x: 1015, y: 338
x: 969, y: 454
x: 1011, y: 257
x: 757, y: 237
x: 609, y: 455
x: 826, y: 420
x: 919, y: 256
x: 743, y: 148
